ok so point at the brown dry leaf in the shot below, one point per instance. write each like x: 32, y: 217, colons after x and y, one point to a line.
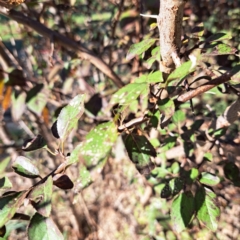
x: 45, y: 115
x: 7, y: 98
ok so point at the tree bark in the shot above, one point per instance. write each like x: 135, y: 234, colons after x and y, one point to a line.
x: 170, y: 31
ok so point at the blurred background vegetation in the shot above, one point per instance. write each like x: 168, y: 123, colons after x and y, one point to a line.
x: 119, y: 204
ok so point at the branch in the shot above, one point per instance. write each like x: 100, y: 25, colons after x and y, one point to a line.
x: 63, y: 41
x: 170, y: 32
x: 207, y: 86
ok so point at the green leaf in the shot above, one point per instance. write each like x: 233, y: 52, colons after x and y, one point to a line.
x: 157, y: 187
x: 217, y: 133
x: 197, y: 31
x: 5, y: 183
x: 75, y: 154
x: 219, y: 37
x: 154, y: 119
x: 37, y: 98
x: 169, y: 143
x: 34, y: 143
x: 193, y: 174
x: 221, y: 49
x: 180, y: 72
x: 159, y: 172
x: 41, y: 228
x: 3, y: 164
x: 129, y: 93
x: 208, y: 156
x: 18, y: 105
x: 209, y: 179
x: 69, y: 116
x: 167, y: 108
x: 99, y: 142
x: 41, y: 197
x: 139, y: 48
x: 140, y: 151
x: 84, y: 179
x: 24, y: 167
x: 176, y: 185
x: 155, y: 57
x: 207, y: 210
x: 182, y: 211
x: 166, y: 191
x: 9, y: 204
x: 155, y: 77
x: 179, y: 117
x: 231, y: 171
x: 175, y: 168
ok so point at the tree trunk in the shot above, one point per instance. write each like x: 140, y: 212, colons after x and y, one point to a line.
x: 170, y: 31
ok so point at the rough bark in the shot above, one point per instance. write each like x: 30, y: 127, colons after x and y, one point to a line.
x: 170, y: 31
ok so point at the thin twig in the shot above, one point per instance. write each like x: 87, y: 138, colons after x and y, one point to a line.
x: 205, y: 87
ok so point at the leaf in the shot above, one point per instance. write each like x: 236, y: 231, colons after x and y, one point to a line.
x: 155, y: 77
x: 175, y: 168
x: 197, y: 31
x: 34, y: 143
x: 41, y: 228
x: 155, y: 57
x: 9, y: 204
x: 208, y: 156
x: 46, y: 115
x: 169, y: 143
x: 69, y: 116
x: 24, y: 167
x: 231, y: 171
x: 182, y: 211
x: 166, y: 191
x: 5, y: 183
x: 16, y: 78
x: 139, y: 151
x: 159, y: 172
x: 3, y: 231
x: 3, y: 164
x: 62, y: 181
x: 54, y: 130
x: 207, y: 210
x: 180, y: 72
x: 221, y: 49
x: 167, y: 108
x: 41, y: 197
x: 139, y: 48
x: 84, y: 179
x: 129, y: 93
x: 193, y: 174
x: 18, y: 105
x: 176, y: 185
x: 209, y: 179
x: 179, y: 117
x: 98, y: 144
x: 37, y: 98
x: 21, y: 216
x: 154, y: 120
x: 219, y: 37
x: 7, y: 98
